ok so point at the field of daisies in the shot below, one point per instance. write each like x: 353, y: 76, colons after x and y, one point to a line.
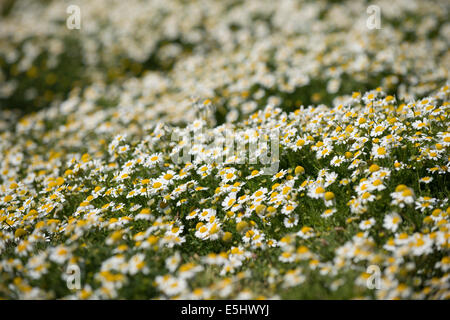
x: 128, y: 166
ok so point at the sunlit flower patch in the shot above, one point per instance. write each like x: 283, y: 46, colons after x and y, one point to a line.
x: 259, y: 158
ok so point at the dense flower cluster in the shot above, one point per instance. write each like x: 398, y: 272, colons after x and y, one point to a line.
x: 361, y: 119
x: 242, y: 53
x: 360, y: 184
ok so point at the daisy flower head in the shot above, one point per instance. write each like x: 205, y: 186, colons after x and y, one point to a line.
x: 328, y: 213
x: 367, y: 224
x: 392, y: 221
